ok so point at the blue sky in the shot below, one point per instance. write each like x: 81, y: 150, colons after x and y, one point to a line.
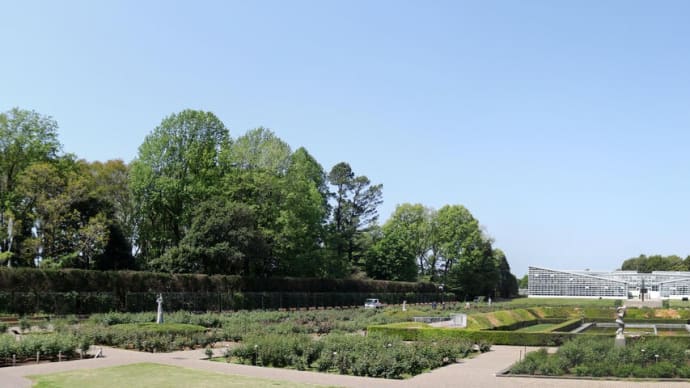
x: 562, y: 126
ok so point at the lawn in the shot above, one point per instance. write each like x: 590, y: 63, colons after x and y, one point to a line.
x: 536, y: 328
x: 151, y: 376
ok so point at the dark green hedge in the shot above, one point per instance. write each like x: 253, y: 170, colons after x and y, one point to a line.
x: 67, y: 280
x: 74, y: 291
x: 101, y: 302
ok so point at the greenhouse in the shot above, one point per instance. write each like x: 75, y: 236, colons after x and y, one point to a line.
x: 545, y: 282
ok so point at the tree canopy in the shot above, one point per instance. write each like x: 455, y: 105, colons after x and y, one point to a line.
x: 648, y: 264
x: 195, y: 200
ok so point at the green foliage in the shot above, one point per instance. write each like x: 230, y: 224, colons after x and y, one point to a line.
x: 176, y: 169
x: 356, y: 200
x: 150, y: 337
x: 49, y: 346
x: 507, y: 282
x: 524, y: 282
x: 648, y: 264
x: 373, y: 356
x: 194, y: 201
x: 400, y: 253
x: 301, y: 221
x: 222, y: 239
x: 596, y: 356
x: 465, y: 254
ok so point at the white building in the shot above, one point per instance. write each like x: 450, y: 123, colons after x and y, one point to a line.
x: 545, y: 282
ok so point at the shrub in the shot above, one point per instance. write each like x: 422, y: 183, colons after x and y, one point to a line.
x: 596, y: 356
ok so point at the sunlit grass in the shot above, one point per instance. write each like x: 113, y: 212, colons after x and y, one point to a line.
x: 152, y: 376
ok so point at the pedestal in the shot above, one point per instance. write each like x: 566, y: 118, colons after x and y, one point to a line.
x: 620, y: 341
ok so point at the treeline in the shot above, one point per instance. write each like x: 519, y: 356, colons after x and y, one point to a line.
x: 195, y: 200
x: 648, y: 264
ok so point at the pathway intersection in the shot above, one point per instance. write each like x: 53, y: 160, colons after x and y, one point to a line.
x: 477, y: 372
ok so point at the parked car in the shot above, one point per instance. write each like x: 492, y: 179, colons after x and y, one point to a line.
x: 372, y: 304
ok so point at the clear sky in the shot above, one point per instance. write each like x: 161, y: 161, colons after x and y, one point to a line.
x: 562, y: 126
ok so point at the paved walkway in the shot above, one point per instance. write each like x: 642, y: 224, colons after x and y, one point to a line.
x: 476, y: 372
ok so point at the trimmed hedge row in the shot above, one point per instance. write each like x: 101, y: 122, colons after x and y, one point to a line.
x: 74, y: 291
x: 495, y: 337
x: 66, y: 280
x: 101, y: 302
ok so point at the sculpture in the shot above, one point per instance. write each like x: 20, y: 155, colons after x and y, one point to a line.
x: 620, y: 338
x: 159, y: 315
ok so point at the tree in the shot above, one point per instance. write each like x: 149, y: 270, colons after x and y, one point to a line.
x: 257, y: 163
x: 524, y: 282
x: 391, y: 257
x: 26, y: 137
x: 223, y: 239
x: 178, y: 167
x: 66, y: 223
x: 355, y: 208
x: 302, y: 218
x: 456, y: 235
x: 647, y: 264
x: 111, y: 187
x: 401, y: 252
x: 507, y: 282
x: 476, y: 273
x: 465, y: 256
x: 260, y: 149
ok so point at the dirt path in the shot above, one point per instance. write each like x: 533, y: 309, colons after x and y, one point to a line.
x: 476, y: 372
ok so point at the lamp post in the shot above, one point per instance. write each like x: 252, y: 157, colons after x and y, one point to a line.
x: 440, y: 288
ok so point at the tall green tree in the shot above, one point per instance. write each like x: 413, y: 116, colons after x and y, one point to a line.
x: 465, y: 257
x: 222, y: 239
x: 26, y: 137
x: 302, y: 219
x: 111, y: 188
x: 456, y: 235
x: 67, y: 224
x: 507, y: 286
x: 401, y: 251
x: 256, y: 165
x: 355, y: 208
x: 178, y: 167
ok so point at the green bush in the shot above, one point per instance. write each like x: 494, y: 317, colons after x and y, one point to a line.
x: 373, y: 355
x: 598, y: 357
x: 48, y: 345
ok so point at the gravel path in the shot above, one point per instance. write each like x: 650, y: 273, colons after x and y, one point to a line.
x: 476, y: 372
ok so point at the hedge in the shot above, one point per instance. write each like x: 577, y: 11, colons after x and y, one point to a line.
x: 102, y: 302
x: 74, y: 291
x: 66, y: 280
